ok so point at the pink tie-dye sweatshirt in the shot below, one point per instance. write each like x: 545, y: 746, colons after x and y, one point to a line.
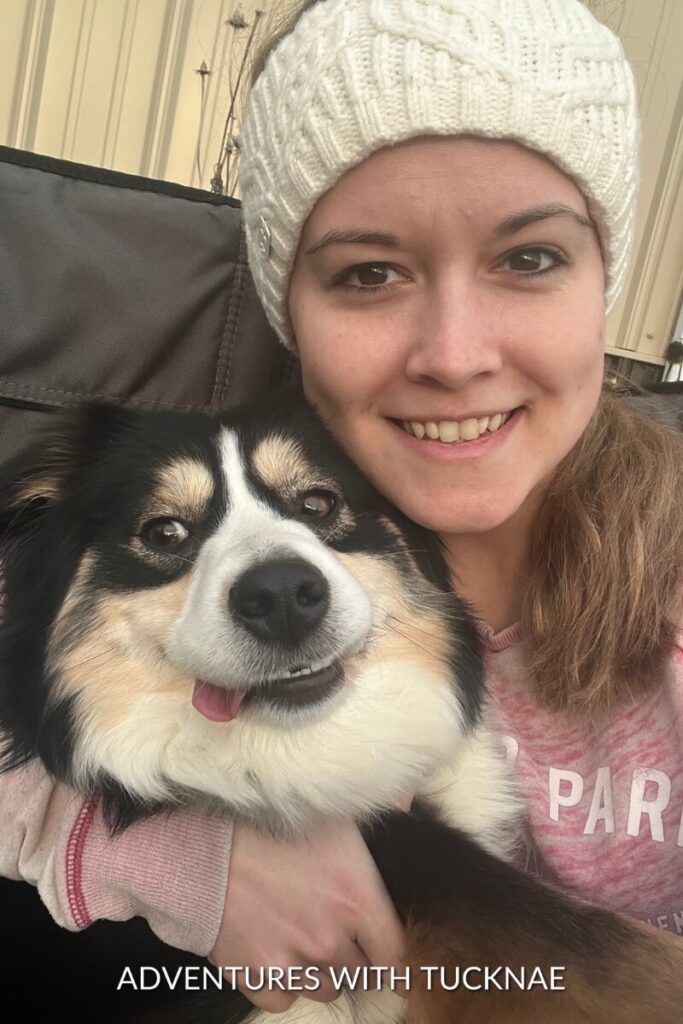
x: 605, y: 804
x: 605, y: 807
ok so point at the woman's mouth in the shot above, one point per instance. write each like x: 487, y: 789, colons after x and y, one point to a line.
x: 456, y: 431
x: 454, y: 439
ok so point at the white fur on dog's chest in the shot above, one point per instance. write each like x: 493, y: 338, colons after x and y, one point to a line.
x: 476, y: 792
x: 370, y: 1007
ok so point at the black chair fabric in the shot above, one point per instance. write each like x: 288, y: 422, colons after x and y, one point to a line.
x: 122, y: 289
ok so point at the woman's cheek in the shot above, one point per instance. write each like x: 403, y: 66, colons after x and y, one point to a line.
x: 335, y: 364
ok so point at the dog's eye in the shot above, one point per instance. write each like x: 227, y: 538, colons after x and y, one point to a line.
x: 165, y: 534
x: 318, y: 504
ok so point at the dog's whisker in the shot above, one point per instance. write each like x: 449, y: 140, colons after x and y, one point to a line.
x: 412, y: 640
x: 413, y: 626
x: 109, y: 656
x: 176, y: 555
x: 187, y: 561
x: 395, y: 622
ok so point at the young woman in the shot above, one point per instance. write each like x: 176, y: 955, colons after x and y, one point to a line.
x: 439, y: 200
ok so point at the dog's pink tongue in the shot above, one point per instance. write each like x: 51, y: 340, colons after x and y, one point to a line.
x: 215, y: 702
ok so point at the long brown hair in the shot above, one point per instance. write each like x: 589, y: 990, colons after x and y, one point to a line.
x: 604, y: 593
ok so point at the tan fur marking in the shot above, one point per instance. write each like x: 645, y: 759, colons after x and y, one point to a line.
x: 123, y: 653
x: 47, y: 484
x: 185, y: 487
x: 73, y: 597
x: 39, y: 489
x: 281, y: 464
x: 410, y: 625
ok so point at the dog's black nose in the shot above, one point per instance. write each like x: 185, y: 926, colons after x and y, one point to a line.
x: 281, y: 601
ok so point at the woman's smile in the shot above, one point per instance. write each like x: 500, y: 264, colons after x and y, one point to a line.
x: 452, y: 431
x: 446, y: 440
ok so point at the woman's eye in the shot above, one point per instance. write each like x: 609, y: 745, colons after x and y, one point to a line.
x: 165, y: 534
x: 318, y: 504
x: 369, y: 277
x: 533, y: 262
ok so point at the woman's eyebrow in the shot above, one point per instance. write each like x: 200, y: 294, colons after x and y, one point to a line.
x: 354, y: 235
x: 516, y: 221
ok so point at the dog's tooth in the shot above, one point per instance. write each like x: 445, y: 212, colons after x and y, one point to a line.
x: 418, y: 430
x: 432, y: 430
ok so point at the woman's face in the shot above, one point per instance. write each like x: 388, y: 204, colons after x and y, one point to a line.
x: 455, y: 285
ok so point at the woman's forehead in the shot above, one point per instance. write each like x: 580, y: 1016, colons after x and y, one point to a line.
x: 428, y: 177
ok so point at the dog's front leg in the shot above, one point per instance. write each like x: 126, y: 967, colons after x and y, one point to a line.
x: 534, y: 954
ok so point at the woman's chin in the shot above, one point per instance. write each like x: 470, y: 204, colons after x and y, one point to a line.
x: 447, y: 517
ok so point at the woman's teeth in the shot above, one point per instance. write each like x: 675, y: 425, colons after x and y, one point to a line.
x: 450, y: 431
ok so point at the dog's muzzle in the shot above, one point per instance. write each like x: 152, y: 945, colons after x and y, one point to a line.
x: 279, y: 636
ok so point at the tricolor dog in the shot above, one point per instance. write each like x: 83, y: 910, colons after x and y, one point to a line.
x: 223, y: 612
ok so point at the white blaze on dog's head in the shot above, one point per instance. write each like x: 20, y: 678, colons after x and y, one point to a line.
x: 207, y: 640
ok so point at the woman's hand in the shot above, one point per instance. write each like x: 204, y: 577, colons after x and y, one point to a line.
x: 314, y: 902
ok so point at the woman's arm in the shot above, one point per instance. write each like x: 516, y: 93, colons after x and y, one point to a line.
x: 171, y: 869
x: 315, y: 901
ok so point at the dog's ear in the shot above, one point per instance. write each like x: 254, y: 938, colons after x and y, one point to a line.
x: 36, y: 479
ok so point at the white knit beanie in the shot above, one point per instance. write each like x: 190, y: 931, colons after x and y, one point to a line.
x: 356, y: 75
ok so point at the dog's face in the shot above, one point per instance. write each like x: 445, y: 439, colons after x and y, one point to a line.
x: 225, y: 609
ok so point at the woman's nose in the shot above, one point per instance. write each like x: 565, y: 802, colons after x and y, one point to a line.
x: 457, y: 337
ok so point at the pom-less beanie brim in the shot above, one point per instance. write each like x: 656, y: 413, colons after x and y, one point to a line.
x: 355, y: 76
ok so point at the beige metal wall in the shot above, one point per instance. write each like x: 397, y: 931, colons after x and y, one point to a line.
x: 642, y: 323
x: 115, y: 83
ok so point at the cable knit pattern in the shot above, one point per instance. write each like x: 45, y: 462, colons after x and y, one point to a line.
x: 357, y: 75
